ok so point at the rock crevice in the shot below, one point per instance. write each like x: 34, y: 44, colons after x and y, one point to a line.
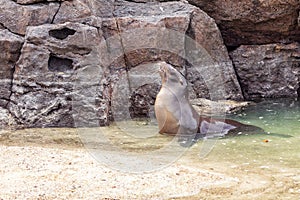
x: 57, y: 11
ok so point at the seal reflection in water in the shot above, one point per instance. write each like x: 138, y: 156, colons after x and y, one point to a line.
x: 176, y: 116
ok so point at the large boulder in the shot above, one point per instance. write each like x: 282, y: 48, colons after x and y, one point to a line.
x: 16, y: 17
x: 150, y: 33
x: 268, y: 71
x: 45, y: 75
x: 254, y: 22
x: 185, y: 20
x: 10, y: 48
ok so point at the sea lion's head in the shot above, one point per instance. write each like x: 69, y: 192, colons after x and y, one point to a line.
x: 171, y: 77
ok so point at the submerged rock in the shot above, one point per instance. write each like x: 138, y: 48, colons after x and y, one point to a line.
x: 221, y: 107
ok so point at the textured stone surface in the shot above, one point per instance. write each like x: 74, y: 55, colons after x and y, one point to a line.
x: 147, y: 1
x: 84, y: 11
x: 149, y: 33
x: 184, y: 20
x: 45, y: 75
x: 17, y: 17
x: 218, y: 108
x: 26, y: 2
x: 267, y: 71
x: 3, y: 118
x: 254, y: 22
x: 299, y: 20
x: 205, y: 32
x: 10, y: 48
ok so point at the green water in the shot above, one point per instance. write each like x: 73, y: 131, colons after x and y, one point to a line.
x: 280, y: 116
x: 279, y: 146
x: 266, y: 165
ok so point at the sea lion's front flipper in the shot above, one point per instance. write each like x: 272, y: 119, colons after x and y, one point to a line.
x: 167, y: 123
x: 215, y: 128
x: 161, y: 117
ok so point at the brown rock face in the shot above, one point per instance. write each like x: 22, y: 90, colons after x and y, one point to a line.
x: 17, y: 17
x: 84, y: 11
x: 254, y: 21
x: 299, y: 20
x: 148, y: 31
x: 10, y: 48
x: 274, y: 68
x: 185, y: 20
x: 45, y: 76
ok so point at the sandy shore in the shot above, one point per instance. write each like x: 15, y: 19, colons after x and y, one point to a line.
x: 65, y: 170
x: 50, y: 173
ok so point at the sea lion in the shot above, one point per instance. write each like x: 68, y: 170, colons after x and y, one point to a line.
x: 176, y: 116
x: 173, y: 110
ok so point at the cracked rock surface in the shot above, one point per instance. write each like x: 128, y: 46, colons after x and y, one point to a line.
x: 254, y: 22
x: 17, y: 18
x: 44, y: 77
x: 10, y: 48
x: 275, y: 68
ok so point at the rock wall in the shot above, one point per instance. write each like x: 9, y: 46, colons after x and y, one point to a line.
x: 73, y: 62
x: 254, y: 21
x: 274, y: 68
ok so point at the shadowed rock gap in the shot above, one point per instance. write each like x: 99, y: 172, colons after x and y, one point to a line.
x: 35, y: 2
x: 57, y: 64
x: 11, y: 78
x: 243, y: 87
x: 58, y: 9
x: 61, y: 34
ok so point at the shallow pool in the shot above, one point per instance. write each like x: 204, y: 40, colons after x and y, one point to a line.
x: 267, y: 165
x: 281, y: 145
x: 260, y: 166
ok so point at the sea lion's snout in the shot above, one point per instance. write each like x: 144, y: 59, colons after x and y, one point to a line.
x: 161, y: 69
x: 163, y: 72
x: 170, y: 74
